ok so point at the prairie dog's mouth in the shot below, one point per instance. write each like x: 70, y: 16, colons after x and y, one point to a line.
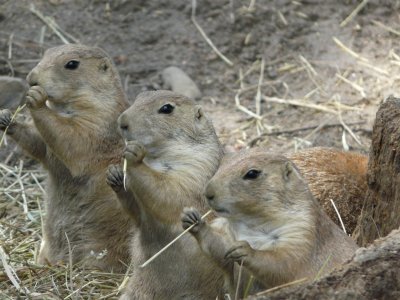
x: 220, y: 210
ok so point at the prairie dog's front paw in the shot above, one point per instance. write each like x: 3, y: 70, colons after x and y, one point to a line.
x: 115, y: 177
x: 239, y: 251
x: 5, y: 118
x: 134, y: 152
x: 189, y: 217
x: 36, y: 97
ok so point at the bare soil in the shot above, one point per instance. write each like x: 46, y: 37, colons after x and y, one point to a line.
x: 321, y: 85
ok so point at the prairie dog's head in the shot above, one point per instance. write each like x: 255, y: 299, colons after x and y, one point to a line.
x: 74, y: 71
x: 258, y: 186
x: 162, y: 118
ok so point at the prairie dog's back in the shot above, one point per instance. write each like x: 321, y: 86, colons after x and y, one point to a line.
x: 337, y: 175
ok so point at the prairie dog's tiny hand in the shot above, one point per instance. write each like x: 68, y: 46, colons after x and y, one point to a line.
x: 115, y: 178
x: 36, y: 97
x: 189, y: 217
x: 134, y: 152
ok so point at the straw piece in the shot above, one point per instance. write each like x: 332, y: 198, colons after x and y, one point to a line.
x: 172, y: 242
x: 19, y: 108
x: 223, y: 57
x: 281, y: 286
x: 354, y: 13
x: 340, y: 218
x: 348, y: 50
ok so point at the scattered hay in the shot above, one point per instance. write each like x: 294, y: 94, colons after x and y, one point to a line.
x: 21, y: 199
x: 22, y: 188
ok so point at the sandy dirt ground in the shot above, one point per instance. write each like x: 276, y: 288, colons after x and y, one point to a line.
x: 298, y: 74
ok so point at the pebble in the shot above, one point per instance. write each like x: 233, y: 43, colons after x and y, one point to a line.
x: 179, y: 82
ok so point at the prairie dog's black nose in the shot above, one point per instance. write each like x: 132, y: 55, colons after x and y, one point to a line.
x: 210, y: 194
x: 123, y: 124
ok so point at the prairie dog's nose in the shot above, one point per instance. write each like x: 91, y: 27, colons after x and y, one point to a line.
x: 210, y: 193
x: 123, y: 124
x: 32, y: 77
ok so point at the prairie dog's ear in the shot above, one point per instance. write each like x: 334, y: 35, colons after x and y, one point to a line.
x: 104, y: 65
x: 289, y: 170
x: 199, y: 112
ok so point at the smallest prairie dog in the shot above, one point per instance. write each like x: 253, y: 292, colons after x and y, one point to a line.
x: 269, y: 220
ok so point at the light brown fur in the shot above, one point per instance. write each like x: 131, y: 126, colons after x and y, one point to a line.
x: 272, y: 222
x: 337, y: 175
x: 170, y: 158
x: 75, y: 138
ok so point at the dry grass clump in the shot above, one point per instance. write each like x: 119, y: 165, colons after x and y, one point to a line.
x: 21, y: 213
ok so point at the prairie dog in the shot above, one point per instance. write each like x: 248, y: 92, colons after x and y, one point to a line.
x: 268, y: 219
x: 75, y: 99
x: 337, y: 175
x: 172, y: 151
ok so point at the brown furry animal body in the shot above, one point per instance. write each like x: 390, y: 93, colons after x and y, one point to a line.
x: 74, y: 100
x: 172, y: 151
x: 269, y: 220
x: 337, y: 175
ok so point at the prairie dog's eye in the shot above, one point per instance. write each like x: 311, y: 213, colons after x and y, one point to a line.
x: 166, y: 109
x: 252, y: 174
x: 72, y: 65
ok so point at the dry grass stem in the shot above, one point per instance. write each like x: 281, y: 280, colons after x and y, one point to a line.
x: 338, y: 214
x: 385, y: 27
x: 19, y: 108
x: 308, y: 65
x: 250, y: 70
x: 124, y: 172
x: 9, y: 271
x: 312, y: 74
x: 172, y: 242
x: 259, y: 125
x: 251, y: 5
x: 10, y: 42
x: 282, y: 286
x: 260, y: 81
x: 125, y: 279
x: 124, y: 168
x: 353, y: 85
x: 244, y: 109
x: 320, y: 271
x: 344, y: 141
x: 347, y: 128
x: 395, y: 62
x: 223, y: 57
x: 239, y: 280
x: 283, y: 19
x: 348, y: 50
x: 374, y: 68
x: 301, y: 103
x: 53, y: 26
x: 354, y: 13
x: 25, y: 203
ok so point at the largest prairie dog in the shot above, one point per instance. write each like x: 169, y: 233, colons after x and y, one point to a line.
x: 269, y: 220
x: 75, y: 99
x: 172, y: 151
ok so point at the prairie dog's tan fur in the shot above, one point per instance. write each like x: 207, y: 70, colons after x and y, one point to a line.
x: 172, y: 151
x: 271, y: 222
x: 337, y: 175
x: 75, y: 137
